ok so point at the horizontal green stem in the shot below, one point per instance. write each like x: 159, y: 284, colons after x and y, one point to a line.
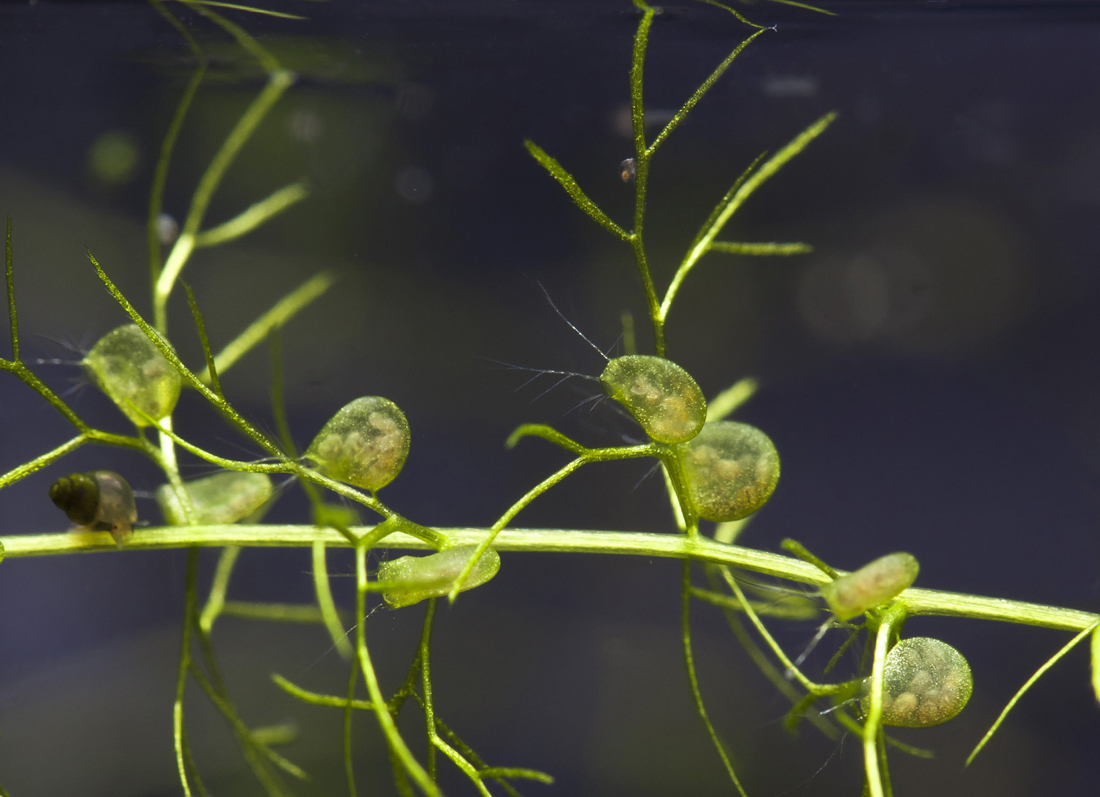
x: 675, y: 546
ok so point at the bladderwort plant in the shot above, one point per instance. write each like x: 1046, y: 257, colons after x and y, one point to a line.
x: 715, y: 470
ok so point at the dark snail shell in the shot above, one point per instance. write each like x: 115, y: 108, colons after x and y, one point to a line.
x: 100, y: 499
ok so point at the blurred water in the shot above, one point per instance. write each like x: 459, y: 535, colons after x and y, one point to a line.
x: 928, y: 373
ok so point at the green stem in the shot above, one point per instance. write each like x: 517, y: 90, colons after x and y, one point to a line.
x: 892, y: 620
x: 620, y: 543
x: 397, y: 745
x: 693, y: 680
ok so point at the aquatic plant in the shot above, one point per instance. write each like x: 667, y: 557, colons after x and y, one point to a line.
x: 715, y: 469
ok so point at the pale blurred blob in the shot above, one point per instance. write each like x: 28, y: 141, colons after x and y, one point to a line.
x: 940, y: 277
x: 306, y: 126
x: 113, y: 158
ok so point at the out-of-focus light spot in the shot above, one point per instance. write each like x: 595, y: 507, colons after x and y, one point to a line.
x: 113, y: 158
x: 414, y: 185
x: 789, y: 86
x: 306, y: 126
x: 868, y: 296
x: 167, y: 228
x: 941, y: 278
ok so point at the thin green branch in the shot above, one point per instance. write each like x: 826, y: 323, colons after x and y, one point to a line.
x: 385, y: 720
x: 725, y: 403
x: 741, y: 248
x: 762, y: 662
x: 326, y: 605
x: 681, y: 114
x: 693, y: 680
x: 349, y: 705
x: 892, y: 619
x: 254, y: 216
x: 316, y: 698
x: 1094, y: 652
x: 219, y: 403
x: 574, y: 190
x: 735, y: 197
x: 251, y: 9
x: 620, y: 543
x: 275, y: 318
x: 160, y: 173
x: 259, y: 756
x: 273, y: 612
x: 10, y: 283
x: 546, y: 433
x: 28, y: 377
x: 244, y: 39
x: 1027, y: 685
x: 279, y: 81
x: 215, y: 602
x: 200, y: 326
x: 181, y: 670
x: 641, y: 172
x: 41, y: 461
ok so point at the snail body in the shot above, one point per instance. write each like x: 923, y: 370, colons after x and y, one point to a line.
x: 100, y: 499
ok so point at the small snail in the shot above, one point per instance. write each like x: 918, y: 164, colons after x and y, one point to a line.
x: 872, y: 585
x: 364, y: 444
x: 628, y: 170
x: 732, y: 469
x: 133, y: 373
x: 925, y: 682
x: 100, y: 500
x: 411, y: 579
x: 222, y: 498
x: 662, y: 396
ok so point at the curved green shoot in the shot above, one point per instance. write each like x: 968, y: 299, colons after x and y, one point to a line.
x: 745, y: 186
x: 726, y: 403
x: 1028, y: 684
x: 576, y: 193
x: 215, y: 602
x: 200, y: 326
x: 168, y: 144
x: 9, y: 282
x: 1094, y: 651
x: 397, y: 745
x: 252, y: 9
x: 693, y: 680
x: 251, y: 218
x: 275, y: 318
x: 874, y: 758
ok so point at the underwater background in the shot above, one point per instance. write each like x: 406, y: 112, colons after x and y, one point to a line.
x: 930, y: 373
